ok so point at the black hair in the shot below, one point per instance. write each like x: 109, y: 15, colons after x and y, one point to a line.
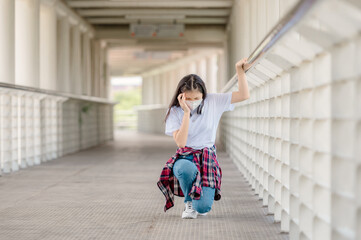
x: 189, y: 82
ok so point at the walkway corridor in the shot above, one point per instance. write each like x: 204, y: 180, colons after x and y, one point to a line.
x: 110, y: 192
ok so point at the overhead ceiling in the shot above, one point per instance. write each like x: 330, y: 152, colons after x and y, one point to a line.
x: 123, y: 12
x: 130, y: 61
x: 204, y: 26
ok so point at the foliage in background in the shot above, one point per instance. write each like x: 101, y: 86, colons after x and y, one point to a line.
x: 84, y: 109
x: 127, y: 100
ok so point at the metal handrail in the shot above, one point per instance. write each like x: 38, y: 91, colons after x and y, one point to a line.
x: 56, y: 93
x: 286, y: 23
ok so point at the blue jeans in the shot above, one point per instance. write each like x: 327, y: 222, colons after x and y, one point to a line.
x: 186, y: 171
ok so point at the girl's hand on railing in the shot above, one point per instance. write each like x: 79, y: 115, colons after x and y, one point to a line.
x: 242, y: 65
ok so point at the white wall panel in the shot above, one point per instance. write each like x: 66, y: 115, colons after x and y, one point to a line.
x: 296, y: 140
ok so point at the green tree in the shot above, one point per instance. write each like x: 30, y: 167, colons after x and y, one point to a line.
x: 126, y: 99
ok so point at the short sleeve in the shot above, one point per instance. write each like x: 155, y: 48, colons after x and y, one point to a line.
x: 172, y: 123
x: 222, y: 101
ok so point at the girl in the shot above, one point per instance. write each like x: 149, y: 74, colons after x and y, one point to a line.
x: 192, y: 119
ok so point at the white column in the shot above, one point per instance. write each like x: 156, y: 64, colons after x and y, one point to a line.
x: 169, y: 90
x: 83, y: 57
x: 192, y: 68
x: 102, y: 68
x: 7, y: 40
x: 155, y: 87
x: 173, y: 83
x: 183, y: 72
x: 163, y: 87
x: 201, y: 69
x: 48, y: 50
x: 27, y: 42
x: 87, y: 64
x: 152, y: 90
x: 63, y: 53
x: 158, y: 88
x: 95, y: 67
x: 75, y: 67
x: 221, y: 71
x: 90, y: 71
x: 101, y: 71
x: 145, y: 90
x: 211, y: 73
x: 105, y: 77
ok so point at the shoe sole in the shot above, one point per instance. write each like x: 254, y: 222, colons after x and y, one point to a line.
x: 202, y: 214
x: 189, y: 216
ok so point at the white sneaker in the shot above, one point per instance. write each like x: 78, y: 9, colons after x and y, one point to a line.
x: 189, y: 212
x: 202, y: 214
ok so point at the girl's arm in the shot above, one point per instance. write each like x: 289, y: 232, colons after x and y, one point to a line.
x: 243, y: 92
x: 180, y: 136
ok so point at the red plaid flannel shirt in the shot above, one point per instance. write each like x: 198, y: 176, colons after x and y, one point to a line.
x: 209, y: 175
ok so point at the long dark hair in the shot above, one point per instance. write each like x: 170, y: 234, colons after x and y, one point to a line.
x: 189, y: 82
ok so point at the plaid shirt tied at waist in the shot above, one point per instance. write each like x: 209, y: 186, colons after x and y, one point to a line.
x: 209, y: 175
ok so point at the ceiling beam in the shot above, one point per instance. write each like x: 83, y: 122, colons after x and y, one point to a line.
x: 108, y: 20
x: 214, y: 33
x: 156, y: 46
x: 122, y: 12
x: 151, y: 4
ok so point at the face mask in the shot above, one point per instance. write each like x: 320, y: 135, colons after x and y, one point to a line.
x: 193, y: 104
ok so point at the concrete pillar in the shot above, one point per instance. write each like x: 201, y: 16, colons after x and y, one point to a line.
x: 201, y: 69
x: 63, y: 54
x: 158, y: 84
x: 152, y: 90
x: 183, y: 72
x: 87, y: 64
x: 27, y: 42
x: 211, y: 73
x: 156, y: 91
x: 96, y: 65
x: 164, y: 89
x: 84, y: 52
x: 176, y: 78
x: 147, y: 87
x: 221, y: 71
x: 88, y: 48
x: 145, y: 90
x: 48, y: 50
x: 75, y: 66
x: 192, y: 68
x: 7, y: 40
x: 100, y: 70
x: 106, y: 84
x: 104, y: 74
x: 172, y: 83
x: 170, y: 86
x: 94, y: 46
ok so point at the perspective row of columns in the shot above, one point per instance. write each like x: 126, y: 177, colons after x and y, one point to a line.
x: 44, y: 45
x: 159, y: 87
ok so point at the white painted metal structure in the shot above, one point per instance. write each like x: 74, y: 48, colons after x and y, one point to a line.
x: 296, y: 140
x: 53, y: 84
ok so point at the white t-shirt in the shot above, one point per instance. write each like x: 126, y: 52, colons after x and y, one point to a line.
x: 202, y: 127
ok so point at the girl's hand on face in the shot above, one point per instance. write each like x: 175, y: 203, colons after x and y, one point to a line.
x: 182, y: 102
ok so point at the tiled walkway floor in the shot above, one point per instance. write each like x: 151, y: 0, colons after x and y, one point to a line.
x: 110, y: 192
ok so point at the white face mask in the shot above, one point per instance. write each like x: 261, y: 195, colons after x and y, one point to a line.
x: 193, y: 104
